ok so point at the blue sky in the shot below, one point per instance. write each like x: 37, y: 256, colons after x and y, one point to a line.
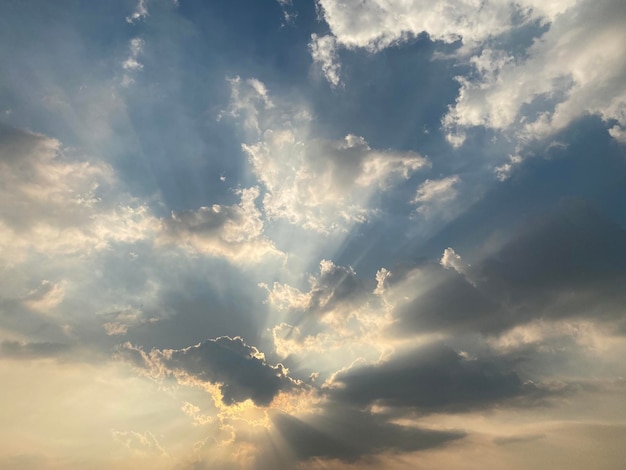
x: 312, y: 234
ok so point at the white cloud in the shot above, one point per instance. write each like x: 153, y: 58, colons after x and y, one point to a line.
x: 337, y: 317
x: 324, y: 52
x: 379, y: 23
x: 53, y: 204
x: 503, y: 172
x: 451, y: 260
x: 323, y: 185
x: 234, y: 232
x: 575, y: 68
x: 140, y: 13
x: 132, y: 65
x: 335, y: 286
x: 432, y: 194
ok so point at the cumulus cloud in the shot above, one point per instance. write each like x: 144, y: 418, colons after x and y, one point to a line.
x: 333, y: 286
x: 574, y: 66
x: 51, y: 203
x: 240, y: 371
x: 234, y: 232
x: 378, y: 24
x: 567, y: 264
x: 450, y: 259
x: 323, y: 185
x: 338, y: 316
x: 432, y: 378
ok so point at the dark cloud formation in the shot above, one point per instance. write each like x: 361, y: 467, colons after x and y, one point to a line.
x: 432, y: 378
x: 345, y: 433
x: 449, y: 302
x: 239, y: 369
x: 570, y: 263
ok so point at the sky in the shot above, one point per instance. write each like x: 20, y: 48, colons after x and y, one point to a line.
x: 312, y: 234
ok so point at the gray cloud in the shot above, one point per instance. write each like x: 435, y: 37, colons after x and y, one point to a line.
x: 345, y: 433
x: 571, y: 263
x: 432, y: 378
x: 240, y: 370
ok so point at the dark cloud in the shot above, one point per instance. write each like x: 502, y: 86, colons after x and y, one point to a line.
x: 576, y: 249
x: 570, y: 263
x: 449, y: 302
x: 240, y: 370
x: 433, y: 378
x: 28, y: 351
x: 342, y: 432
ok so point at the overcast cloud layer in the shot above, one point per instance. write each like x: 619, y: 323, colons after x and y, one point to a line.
x: 307, y: 234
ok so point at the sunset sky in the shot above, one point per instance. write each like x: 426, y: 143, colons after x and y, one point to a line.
x: 312, y: 234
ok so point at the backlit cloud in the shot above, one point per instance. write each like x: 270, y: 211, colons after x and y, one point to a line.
x: 248, y: 235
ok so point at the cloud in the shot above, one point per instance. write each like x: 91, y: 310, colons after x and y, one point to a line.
x: 433, y: 194
x: 234, y: 232
x: 378, y: 24
x: 565, y: 264
x: 240, y: 371
x: 323, y: 52
x: 573, y: 69
x: 348, y: 434
x: 132, y: 65
x: 119, y: 321
x: 334, y: 286
x: 503, y: 172
x: 432, y: 378
x: 322, y: 185
x: 451, y: 260
x: 139, y: 443
x: 337, y: 312
x: 140, y: 13
x: 45, y: 297
x: 51, y: 203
